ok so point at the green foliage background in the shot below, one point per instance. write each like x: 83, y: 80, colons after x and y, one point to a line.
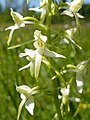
x: 10, y: 76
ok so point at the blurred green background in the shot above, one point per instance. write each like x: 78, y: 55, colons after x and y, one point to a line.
x: 10, y: 63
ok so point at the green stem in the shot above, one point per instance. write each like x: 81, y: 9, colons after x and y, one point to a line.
x: 56, y: 100
x: 54, y: 82
x: 49, y: 18
x: 58, y: 74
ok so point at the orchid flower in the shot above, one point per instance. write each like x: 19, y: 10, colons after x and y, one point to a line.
x: 82, y: 67
x: 43, y: 8
x: 73, y: 9
x: 27, y: 98
x: 19, y: 22
x: 68, y: 36
x: 35, y: 56
x: 80, y: 71
x: 65, y: 91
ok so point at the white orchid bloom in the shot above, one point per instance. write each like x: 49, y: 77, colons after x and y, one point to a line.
x: 65, y: 95
x: 35, y: 56
x: 81, y: 70
x: 65, y: 98
x: 43, y: 8
x: 19, y: 22
x: 68, y: 36
x: 73, y: 9
x: 27, y: 98
x: 30, y: 55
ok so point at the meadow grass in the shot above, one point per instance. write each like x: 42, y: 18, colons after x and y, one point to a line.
x: 10, y: 76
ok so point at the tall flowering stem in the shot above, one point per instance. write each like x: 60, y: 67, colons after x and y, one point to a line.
x: 54, y: 82
x: 49, y: 18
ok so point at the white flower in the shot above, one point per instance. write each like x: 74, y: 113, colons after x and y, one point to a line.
x: 74, y: 7
x: 30, y: 54
x: 81, y: 70
x: 19, y: 22
x: 35, y: 56
x: 65, y: 95
x: 68, y: 36
x: 43, y: 8
x: 27, y: 98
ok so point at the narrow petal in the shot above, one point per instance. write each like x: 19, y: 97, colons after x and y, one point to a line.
x: 10, y: 37
x: 29, y: 105
x: 49, y: 53
x: 75, y: 43
x: 64, y: 41
x: 67, y: 12
x: 37, y: 64
x: 35, y: 9
x: 20, y: 108
x: 23, y: 88
x: 74, y: 99
x: 79, y: 15
x: 26, y: 66
x: 79, y: 82
x: 12, y: 27
x: 28, y: 22
x: 22, y: 54
x: 32, y: 69
x: 30, y: 52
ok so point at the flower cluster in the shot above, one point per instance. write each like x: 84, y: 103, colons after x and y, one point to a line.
x: 35, y: 56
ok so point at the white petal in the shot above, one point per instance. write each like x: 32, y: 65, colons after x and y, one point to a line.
x: 16, y: 14
x: 22, y: 54
x: 65, y: 91
x: 28, y: 22
x: 35, y: 9
x: 26, y: 66
x: 24, y: 87
x: 59, y: 97
x: 12, y: 27
x: 75, y: 99
x: 10, y: 36
x: 37, y: 34
x: 64, y: 41
x: 20, y: 108
x: 79, y: 82
x: 32, y: 68
x: 79, y: 15
x: 43, y: 38
x: 49, y: 53
x: 22, y: 96
x: 30, y: 52
x: 37, y: 64
x: 67, y: 12
x: 29, y: 105
x: 75, y: 43
x: 24, y: 90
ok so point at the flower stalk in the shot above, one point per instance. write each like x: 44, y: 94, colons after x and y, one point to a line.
x: 49, y: 18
